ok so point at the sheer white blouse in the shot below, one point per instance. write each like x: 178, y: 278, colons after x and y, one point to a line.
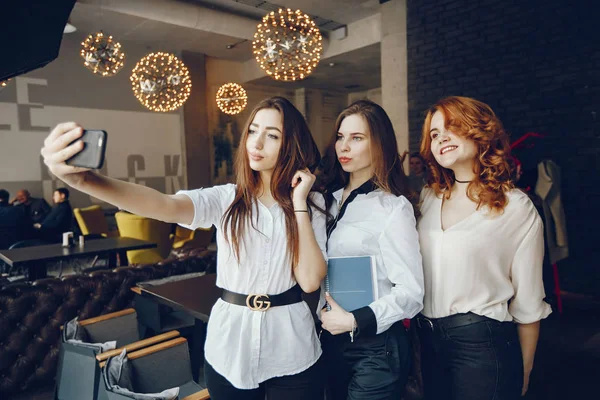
x: 488, y: 263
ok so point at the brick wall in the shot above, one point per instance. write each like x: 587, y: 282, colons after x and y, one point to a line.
x: 537, y: 64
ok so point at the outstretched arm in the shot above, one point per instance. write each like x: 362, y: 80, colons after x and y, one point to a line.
x: 63, y: 143
x: 138, y: 199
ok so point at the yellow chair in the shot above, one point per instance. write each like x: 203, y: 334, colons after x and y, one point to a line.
x: 91, y: 220
x: 137, y: 227
x: 199, y: 238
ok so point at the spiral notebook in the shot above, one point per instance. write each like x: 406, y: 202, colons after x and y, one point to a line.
x: 352, y: 281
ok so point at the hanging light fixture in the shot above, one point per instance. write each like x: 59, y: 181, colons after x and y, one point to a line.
x: 161, y: 82
x: 102, y: 55
x: 231, y: 98
x: 287, y: 45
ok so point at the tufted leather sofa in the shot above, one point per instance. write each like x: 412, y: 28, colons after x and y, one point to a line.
x: 31, y: 314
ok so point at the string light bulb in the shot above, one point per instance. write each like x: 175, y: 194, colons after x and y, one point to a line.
x: 232, y: 98
x: 102, y: 54
x: 161, y: 82
x: 287, y: 45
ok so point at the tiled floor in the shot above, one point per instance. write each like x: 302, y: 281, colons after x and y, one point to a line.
x: 566, y: 364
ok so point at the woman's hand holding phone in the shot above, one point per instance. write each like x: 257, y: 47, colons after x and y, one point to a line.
x: 61, y: 144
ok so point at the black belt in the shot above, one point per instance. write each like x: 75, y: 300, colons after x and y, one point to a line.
x: 452, y: 321
x: 262, y: 302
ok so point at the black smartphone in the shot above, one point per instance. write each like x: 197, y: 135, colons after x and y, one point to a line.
x: 92, y: 154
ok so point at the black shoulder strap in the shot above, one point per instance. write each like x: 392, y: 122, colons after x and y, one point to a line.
x: 365, y: 188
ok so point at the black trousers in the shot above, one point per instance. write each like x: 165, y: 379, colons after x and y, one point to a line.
x: 308, y: 384
x: 371, y: 368
x: 481, y: 361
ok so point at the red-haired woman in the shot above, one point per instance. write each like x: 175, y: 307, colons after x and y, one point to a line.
x: 271, y: 240
x: 482, y: 244
x: 367, y: 350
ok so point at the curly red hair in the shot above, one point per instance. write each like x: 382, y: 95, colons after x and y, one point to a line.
x: 476, y: 121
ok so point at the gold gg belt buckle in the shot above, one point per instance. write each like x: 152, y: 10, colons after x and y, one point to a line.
x: 258, y: 302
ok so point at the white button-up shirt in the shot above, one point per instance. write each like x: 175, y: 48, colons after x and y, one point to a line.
x: 248, y: 347
x: 382, y: 225
x: 484, y: 261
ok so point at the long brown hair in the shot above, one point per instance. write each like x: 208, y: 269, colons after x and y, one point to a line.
x: 388, y: 173
x: 476, y: 121
x: 298, y: 151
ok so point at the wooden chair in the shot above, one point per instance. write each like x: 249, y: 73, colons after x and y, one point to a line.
x: 162, y: 366
x: 78, y: 373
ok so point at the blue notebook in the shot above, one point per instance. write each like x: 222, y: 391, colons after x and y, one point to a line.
x: 352, y: 281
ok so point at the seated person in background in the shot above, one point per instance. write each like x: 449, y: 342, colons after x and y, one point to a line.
x: 60, y: 218
x: 36, y: 209
x: 417, y: 177
x: 14, y: 224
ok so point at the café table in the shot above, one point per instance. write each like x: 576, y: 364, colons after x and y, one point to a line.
x: 33, y: 259
x: 194, y: 296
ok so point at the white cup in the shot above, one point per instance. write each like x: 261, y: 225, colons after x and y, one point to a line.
x: 67, y: 238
